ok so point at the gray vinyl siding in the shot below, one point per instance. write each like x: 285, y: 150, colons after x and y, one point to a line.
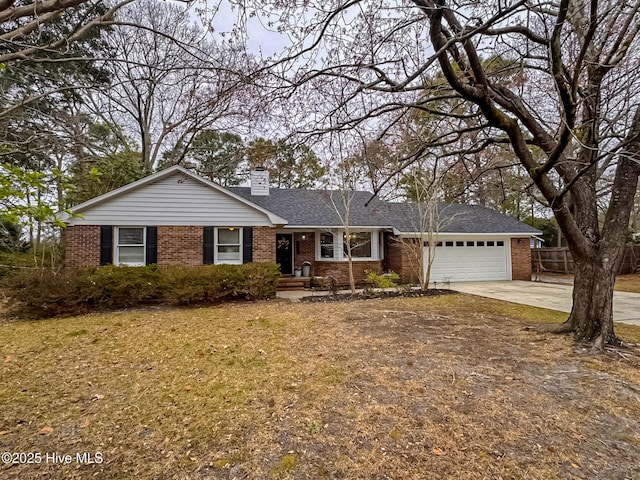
x: 173, y: 200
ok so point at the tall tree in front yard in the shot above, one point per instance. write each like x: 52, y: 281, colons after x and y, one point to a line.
x: 32, y: 30
x: 48, y: 60
x: 106, y: 164
x: 584, y: 50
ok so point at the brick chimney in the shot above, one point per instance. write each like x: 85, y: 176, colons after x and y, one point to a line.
x: 259, y: 181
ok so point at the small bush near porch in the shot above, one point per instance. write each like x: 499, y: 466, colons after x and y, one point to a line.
x: 411, y: 388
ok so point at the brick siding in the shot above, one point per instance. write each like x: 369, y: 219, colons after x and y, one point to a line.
x: 177, y: 245
x: 398, y: 259
x: 264, y: 244
x: 180, y: 245
x: 305, y: 250
x: 82, y: 245
x: 521, y: 258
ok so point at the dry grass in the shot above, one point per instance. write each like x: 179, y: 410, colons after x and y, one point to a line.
x: 443, y: 387
x: 628, y: 283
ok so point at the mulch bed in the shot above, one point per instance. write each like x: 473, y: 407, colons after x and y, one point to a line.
x: 349, y: 297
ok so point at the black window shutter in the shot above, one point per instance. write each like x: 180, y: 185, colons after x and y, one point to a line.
x: 207, y: 245
x: 247, y: 244
x: 106, y: 244
x: 152, y: 245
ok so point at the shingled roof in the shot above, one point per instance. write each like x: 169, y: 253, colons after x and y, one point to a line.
x: 456, y: 218
x: 315, y: 208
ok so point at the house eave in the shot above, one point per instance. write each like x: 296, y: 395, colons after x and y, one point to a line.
x: 471, y: 234
x: 338, y: 227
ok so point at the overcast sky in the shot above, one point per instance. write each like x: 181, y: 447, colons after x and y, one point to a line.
x: 261, y: 40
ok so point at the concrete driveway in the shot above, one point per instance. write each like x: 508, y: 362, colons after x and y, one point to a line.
x: 626, y: 306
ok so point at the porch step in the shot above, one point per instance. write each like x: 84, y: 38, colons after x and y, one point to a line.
x: 288, y: 282
x: 290, y: 287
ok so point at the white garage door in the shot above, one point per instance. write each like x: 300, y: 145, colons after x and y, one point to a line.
x: 469, y: 260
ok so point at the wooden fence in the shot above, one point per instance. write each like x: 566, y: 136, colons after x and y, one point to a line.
x: 559, y: 260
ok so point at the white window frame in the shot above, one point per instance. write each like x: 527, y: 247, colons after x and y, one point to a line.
x: 371, y: 248
x: 216, y: 259
x: 319, y: 248
x: 338, y: 248
x: 116, y: 246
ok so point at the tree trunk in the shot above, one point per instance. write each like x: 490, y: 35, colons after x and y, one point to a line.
x: 426, y: 275
x: 597, y: 263
x: 352, y: 280
x: 591, y: 318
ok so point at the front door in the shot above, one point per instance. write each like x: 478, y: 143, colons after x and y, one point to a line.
x: 284, y: 252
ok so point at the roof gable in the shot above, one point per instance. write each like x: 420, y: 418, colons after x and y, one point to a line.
x: 173, y: 196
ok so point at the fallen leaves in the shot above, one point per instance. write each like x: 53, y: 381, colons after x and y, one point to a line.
x: 46, y: 430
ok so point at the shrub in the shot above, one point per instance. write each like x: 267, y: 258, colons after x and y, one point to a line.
x: 328, y: 282
x: 204, y: 284
x: 47, y: 293
x: 111, y: 287
x: 386, y: 280
x: 260, y: 280
x: 44, y: 293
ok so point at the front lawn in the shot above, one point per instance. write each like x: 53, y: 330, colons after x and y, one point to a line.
x: 408, y: 388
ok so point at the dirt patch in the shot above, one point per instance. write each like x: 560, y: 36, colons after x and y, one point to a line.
x: 468, y: 373
x: 450, y: 386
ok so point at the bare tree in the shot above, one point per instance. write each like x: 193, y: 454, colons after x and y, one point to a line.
x: 570, y: 110
x: 344, y: 199
x: 340, y: 202
x: 427, y: 223
x: 171, y: 82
